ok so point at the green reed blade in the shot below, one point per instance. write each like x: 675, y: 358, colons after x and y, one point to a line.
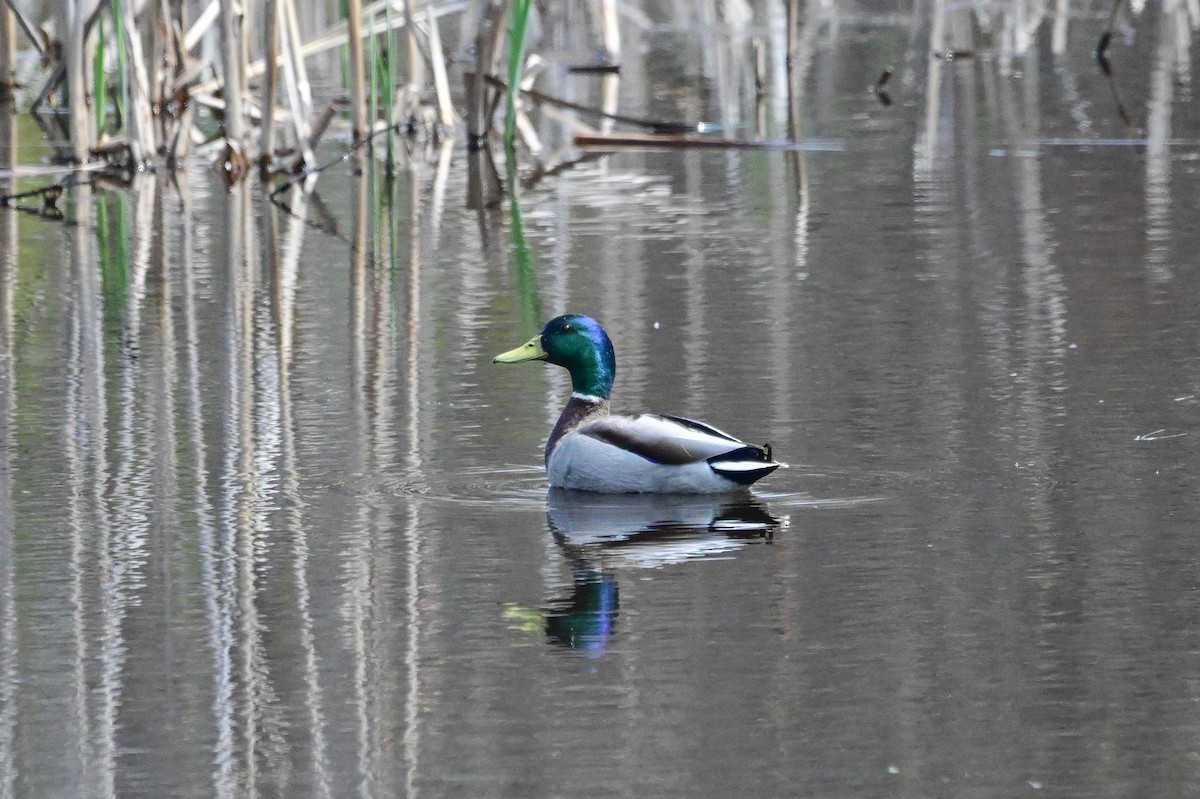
x: 516, y: 60
x: 99, y: 85
x: 122, y: 98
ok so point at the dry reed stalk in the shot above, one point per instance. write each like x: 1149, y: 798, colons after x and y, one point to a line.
x: 441, y: 84
x: 416, y: 64
x: 612, y: 29
x: 178, y: 149
x: 487, y: 53
x: 270, y: 87
x: 793, y: 51
x: 160, y: 34
x: 31, y: 32
x: 231, y: 50
x: 141, y: 118
x: 524, y: 125
x: 162, y: 64
x: 57, y: 71
x: 358, y: 109
x: 179, y: 55
x: 200, y: 27
x: 8, y: 51
x: 295, y: 75
x: 78, y: 79
x: 322, y: 124
x: 336, y: 37
x: 483, y: 181
x: 759, y: 47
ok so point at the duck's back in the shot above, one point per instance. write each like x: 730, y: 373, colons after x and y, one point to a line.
x: 652, y: 453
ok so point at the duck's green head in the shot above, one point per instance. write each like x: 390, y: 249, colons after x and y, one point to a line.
x: 577, y: 343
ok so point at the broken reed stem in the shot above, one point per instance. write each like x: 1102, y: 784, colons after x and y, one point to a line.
x: 155, y: 65
x: 792, y: 68
x: 612, y: 29
x: 182, y: 140
x: 322, y: 124
x: 231, y: 49
x: 8, y: 51
x: 358, y: 111
x: 77, y: 82
x: 441, y: 84
x: 141, y: 118
x: 270, y: 87
x: 28, y: 27
x: 200, y: 27
x: 416, y: 64
x: 655, y: 125
x: 295, y: 78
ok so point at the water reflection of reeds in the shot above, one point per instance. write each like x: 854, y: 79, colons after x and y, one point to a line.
x: 194, y: 402
x: 9, y: 645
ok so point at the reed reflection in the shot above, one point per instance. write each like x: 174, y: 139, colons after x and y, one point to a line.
x: 90, y: 526
x: 283, y: 259
x: 603, y: 535
x: 8, y: 404
x: 1170, y: 77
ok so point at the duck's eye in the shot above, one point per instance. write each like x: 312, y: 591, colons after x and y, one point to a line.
x: 567, y: 328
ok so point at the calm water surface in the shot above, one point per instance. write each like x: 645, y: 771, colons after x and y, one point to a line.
x: 272, y: 524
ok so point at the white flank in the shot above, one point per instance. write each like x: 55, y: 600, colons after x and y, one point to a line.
x: 589, y: 464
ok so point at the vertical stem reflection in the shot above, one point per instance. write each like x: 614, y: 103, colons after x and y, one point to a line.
x: 284, y: 297
x: 8, y: 402
x: 412, y: 462
x: 357, y: 609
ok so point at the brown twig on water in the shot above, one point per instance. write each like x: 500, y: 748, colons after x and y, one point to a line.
x: 1106, y: 67
x: 543, y: 170
x: 878, y: 90
x: 1106, y: 37
x: 355, y: 148
x: 326, y: 223
x: 594, y: 69
x: 674, y: 141
x: 1118, y: 99
x: 758, y: 47
x: 54, y: 188
x: 324, y: 118
x: 655, y: 125
x: 50, y: 194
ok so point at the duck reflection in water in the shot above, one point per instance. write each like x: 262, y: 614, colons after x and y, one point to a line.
x: 601, y: 535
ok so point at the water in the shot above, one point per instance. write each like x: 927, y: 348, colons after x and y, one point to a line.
x: 271, y: 523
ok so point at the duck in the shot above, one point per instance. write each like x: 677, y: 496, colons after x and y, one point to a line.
x: 593, y: 449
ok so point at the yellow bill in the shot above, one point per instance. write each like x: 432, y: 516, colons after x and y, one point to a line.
x: 529, y: 351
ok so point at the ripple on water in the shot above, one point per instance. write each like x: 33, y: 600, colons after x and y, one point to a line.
x: 813, y: 486
x: 513, y: 486
x: 524, y: 487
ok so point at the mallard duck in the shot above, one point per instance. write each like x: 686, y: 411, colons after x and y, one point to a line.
x: 593, y: 450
